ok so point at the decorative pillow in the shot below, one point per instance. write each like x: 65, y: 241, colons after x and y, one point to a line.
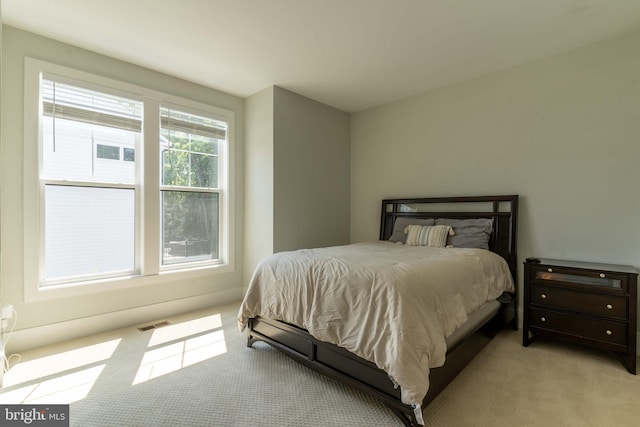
x: 401, y: 223
x: 469, y: 233
x: 429, y: 235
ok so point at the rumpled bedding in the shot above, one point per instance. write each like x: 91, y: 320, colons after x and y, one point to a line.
x: 388, y: 303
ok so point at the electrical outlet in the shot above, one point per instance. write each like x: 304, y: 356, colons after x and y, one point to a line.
x: 7, y: 311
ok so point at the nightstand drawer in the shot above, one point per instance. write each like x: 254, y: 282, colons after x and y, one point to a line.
x: 585, y: 279
x: 595, y: 329
x: 582, y: 302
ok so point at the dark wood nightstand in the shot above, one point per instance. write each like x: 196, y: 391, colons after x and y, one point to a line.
x: 586, y: 303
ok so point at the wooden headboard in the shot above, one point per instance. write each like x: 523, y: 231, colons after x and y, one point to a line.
x: 502, y: 209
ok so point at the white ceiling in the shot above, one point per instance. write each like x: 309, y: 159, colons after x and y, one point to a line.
x: 350, y: 54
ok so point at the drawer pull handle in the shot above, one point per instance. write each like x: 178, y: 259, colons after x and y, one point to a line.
x: 550, y: 270
x: 543, y: 296
x: 543, y: 319
x: 602, y: 275
x: 609, y: 306
x: 609, y: 332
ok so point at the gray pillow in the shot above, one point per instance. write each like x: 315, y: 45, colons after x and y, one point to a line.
x: 401, y: 223
x: 470, y: 233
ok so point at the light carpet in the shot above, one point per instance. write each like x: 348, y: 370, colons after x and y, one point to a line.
x: 197, y: 371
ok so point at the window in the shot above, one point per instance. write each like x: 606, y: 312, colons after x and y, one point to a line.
x: 89, y: 200
x: 107, y: 152
x: 127, y: 183
x: 190, y: 185
x: 129, y: 154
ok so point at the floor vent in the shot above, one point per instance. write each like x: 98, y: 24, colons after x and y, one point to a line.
x: 154, y: 326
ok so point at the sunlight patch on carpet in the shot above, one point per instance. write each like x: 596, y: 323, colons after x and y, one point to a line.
x: 173, y: 357
x: 185, y: 329
x: 62, y: 389
x: 41, y: 367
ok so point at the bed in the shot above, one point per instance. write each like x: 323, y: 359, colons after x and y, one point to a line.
x: 386, y: 352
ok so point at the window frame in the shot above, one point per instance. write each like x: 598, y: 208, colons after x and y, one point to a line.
x: 149, y: 268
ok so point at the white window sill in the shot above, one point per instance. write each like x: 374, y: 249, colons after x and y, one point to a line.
x: 33, y: 294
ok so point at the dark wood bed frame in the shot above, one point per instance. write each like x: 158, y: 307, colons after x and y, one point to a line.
x: 365, y: 376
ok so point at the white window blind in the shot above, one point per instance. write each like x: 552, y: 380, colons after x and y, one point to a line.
x: 81, y: 105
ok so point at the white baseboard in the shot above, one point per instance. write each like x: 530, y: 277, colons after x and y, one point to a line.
x: 26, y: 339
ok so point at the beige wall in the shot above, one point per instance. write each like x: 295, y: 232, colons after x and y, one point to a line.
x: 258, y: 225
x: 90, y: 313
x: 563, y: 133
x: 297, y: 188
x: 311, y: 173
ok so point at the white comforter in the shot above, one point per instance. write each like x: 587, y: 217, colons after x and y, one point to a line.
x: 391, y: 304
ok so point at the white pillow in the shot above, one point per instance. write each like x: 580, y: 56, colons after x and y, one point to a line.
x: 428, y: 235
